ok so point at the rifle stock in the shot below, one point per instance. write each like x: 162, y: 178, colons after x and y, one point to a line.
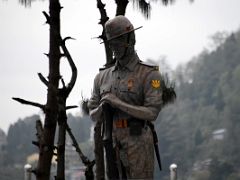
x: 112, y: 171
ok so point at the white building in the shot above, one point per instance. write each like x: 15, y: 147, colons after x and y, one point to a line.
x: 219, y: 134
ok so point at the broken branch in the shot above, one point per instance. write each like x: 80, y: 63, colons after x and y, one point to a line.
x: 22, y: 101
x: 47, y: 17
x: 43, y: 79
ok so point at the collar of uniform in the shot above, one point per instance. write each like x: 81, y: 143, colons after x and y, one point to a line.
x: 131, y: 64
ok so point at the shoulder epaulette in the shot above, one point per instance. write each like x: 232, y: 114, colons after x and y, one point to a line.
x: 155, y: 67
x: 106, y: 67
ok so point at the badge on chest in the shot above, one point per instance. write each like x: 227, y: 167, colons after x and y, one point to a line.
x: 130, y: 84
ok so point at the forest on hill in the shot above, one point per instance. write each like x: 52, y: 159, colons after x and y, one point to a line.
x: 19, y: 147
x: 199, y: 132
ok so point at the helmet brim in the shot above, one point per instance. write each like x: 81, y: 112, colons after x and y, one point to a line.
x: 114, y: 37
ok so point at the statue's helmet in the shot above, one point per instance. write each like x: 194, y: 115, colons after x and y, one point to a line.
x: 118, y: 26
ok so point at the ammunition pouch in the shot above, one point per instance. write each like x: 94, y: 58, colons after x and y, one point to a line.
x: 136, y: 126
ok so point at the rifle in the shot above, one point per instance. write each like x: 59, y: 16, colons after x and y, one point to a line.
x: 112, y: 170
x: 155, y: 141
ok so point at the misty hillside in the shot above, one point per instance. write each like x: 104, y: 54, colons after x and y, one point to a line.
x: 200, y: 130
x: 18, y: 143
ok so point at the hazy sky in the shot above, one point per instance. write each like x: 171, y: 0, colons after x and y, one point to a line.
x: 179, y: 32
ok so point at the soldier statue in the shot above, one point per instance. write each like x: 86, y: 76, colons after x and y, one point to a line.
x: 133, y: 90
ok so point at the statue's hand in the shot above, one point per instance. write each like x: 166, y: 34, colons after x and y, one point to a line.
x: 111, y: 99
x: 96, y: 113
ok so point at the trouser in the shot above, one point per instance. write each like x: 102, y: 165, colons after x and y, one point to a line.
x: 135, y: 153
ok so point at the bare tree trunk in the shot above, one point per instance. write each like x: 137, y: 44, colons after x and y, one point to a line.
x: 61, y: 145
x: 121, y: 7
x: 103, y: 20
x: 47, y: 145
x: 99, y: 155
x: 63, y: 94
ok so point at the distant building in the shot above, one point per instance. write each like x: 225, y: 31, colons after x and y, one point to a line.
x: 219, y: 134
x: 75, y: 173
x: 75, y: 170
x: 202, y: 165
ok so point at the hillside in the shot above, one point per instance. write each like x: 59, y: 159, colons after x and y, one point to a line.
x: 17, y: 146
x: 200, y: 130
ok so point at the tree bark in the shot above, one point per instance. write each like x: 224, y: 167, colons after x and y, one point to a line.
x: 103, y: 20
x: 121, y: 7
x: 63, y: 94
x: 99, y: 155
x: 62, y: 120
x: 47, y: 145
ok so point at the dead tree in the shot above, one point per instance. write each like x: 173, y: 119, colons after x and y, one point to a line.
x: 63, y: 94
x: 57, y: 110
x: 51, y: 112
x: 54, y: 105
x: 99, y: 153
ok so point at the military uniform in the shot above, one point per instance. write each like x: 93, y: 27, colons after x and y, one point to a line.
x: 135, y: 93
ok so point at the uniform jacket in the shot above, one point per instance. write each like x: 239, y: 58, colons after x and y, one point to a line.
x: 135, y: 88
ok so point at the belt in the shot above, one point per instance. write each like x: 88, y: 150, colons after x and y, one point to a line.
x: 124, y: 123
x: 121, y: 123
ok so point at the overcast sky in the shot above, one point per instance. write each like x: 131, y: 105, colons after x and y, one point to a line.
x: 178, y: 32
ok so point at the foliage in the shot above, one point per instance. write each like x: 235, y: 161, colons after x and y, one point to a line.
x: 208, y: 99
x: 10, y: 173
x: 19, y: 138
x: 22, y: 133
x: 80, y: 127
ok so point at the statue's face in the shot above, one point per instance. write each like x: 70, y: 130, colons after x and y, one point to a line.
x: 118, y: 46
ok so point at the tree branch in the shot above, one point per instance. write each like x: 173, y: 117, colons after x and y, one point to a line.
x: 43, y: 79
x: 63, y: 83
x: 47, y: 17
x: 71, y: 107
x: 46, y: 54
x: 89, y: 164
x: 22, y: 101
x: 84, y: 159
x: 103, y: 13
x: 71, y: 63
x: 104, y: 18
